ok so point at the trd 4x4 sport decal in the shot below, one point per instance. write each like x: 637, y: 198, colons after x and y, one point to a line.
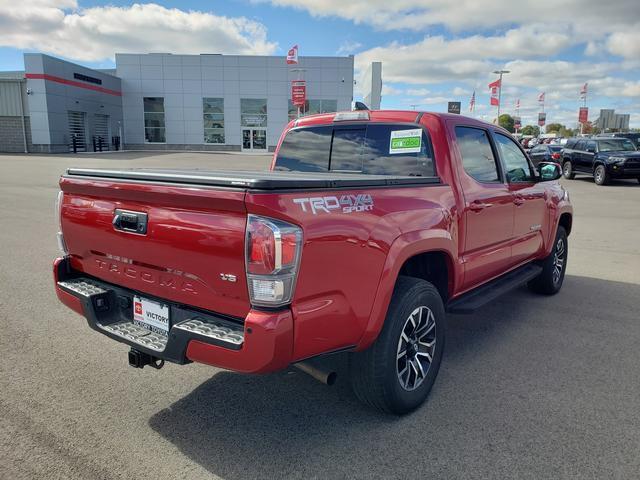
x: 344, y: 203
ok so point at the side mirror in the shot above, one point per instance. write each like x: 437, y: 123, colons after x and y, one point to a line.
x: 549, y: 171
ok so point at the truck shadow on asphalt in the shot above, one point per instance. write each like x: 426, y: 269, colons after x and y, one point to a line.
x: 288, y: 425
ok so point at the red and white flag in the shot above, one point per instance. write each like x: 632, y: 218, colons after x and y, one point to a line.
x: 495, y: 92
x: 292, y: 55
x: 541, y: 98
x: 583, y: 92
x: 472, y: 102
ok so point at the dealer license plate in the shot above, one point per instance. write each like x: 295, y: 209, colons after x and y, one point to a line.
x: 151, y: 315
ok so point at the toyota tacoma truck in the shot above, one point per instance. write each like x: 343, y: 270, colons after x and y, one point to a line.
x: 369, y: 227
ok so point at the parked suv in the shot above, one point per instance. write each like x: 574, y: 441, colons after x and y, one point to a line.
x: 604, y: 158
x: 633, y: 136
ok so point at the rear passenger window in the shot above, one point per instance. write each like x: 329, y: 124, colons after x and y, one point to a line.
x: 381, y: 157
x: 477, y: 156
x: 377, y: 149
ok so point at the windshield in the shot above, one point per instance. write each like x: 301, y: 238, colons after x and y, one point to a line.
x: 616, y: 145
x: 555, y: 148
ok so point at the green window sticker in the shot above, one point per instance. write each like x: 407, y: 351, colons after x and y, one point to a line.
x: 405, y: 141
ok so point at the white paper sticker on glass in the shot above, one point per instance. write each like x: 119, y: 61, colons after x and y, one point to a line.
x: 405, y: 141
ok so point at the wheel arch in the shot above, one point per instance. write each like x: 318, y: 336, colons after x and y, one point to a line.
x: 566, y: 221
x: 433, y: 266
x: 407, y: 256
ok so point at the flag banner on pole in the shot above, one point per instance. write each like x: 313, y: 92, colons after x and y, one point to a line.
x: 541, y: 98
x: 298, y: 93
x: 472, y: 102
x: 583, y: 92
x: 583, y: 115
x: 517, y: 123
x: 292, y: 55
x: 495, y: 92
x: 542, y: 119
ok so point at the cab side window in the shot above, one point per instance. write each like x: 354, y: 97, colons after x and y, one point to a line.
x: 517, y: 167
x: 477, y: 156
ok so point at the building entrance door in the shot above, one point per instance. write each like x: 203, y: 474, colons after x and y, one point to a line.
x: 254, y: 139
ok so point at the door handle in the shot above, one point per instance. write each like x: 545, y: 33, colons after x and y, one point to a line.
x: 477, y: 206
x: 518, y: 201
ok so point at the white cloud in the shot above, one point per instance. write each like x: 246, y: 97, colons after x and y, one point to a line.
x: 589, y: 15
x: 348, y: 47
x: 626, y: 43
x: 435, y: 58
x: 417, y: 92
x: 61, y: 28
x: 459, y: 91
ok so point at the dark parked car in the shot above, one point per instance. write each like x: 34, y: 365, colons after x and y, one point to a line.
x: 604, y: 158
x: 633, y: 136
x: 545, y: 153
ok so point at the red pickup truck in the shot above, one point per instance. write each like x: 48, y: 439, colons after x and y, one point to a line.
x: 368, y: 228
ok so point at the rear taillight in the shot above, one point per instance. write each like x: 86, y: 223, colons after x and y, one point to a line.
x: 555, y: 156
x: 58, y: 212
x: 273, y: 250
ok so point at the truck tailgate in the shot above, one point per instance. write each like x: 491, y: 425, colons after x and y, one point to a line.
x: 191, y: 253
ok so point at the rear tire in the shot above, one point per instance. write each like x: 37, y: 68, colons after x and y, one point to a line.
x: 567, y: 170
x: 600, y: 175
x: 550, y: 280
x: 396, y: 373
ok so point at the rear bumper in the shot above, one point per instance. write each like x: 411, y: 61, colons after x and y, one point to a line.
x: 262, y: 343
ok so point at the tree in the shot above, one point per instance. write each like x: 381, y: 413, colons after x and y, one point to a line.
x: 506, y: 121
x: 530, y: 130
x: 555, y: 127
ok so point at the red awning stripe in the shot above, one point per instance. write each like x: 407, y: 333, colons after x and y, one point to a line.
x: 73, y: 83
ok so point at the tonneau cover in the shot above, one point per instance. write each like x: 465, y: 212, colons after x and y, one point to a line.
x: 257, y: 180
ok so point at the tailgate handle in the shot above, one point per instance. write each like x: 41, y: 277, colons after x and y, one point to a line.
x: 128, y: 221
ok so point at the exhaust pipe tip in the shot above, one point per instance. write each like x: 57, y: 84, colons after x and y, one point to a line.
x: 328, y: 377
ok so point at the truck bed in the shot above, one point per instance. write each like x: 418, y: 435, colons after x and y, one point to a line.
x: 254, y: 180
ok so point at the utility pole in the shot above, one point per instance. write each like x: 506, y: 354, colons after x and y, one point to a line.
x: 500, y: 72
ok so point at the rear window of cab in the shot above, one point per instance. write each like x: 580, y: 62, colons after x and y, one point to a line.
x: 377, y: 149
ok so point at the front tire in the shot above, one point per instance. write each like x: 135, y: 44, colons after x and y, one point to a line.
x: 550, y: 280
x: 600, y: 175
x: 396, y: 373
x: 567, y: 170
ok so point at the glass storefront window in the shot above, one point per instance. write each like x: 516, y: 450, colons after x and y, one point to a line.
x: 213, y: 120
x: 312, y: 107
x: 154, y: 127
x: 253, y: 112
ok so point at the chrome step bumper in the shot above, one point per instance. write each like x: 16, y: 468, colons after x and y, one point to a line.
x: 109, y: 310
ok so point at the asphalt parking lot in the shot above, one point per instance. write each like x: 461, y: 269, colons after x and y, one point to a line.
x: 530, y: 387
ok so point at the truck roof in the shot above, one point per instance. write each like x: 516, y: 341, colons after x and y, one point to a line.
x: 404, y: 116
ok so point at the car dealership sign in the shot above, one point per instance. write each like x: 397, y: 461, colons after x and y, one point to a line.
x: 298, y: 92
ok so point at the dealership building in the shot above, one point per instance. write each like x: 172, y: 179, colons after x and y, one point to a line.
x: 161, y: 101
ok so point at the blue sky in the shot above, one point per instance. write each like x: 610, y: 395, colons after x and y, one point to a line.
x: 432, y: 51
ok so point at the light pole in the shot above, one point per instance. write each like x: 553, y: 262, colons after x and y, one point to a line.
x: 500, y: 72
